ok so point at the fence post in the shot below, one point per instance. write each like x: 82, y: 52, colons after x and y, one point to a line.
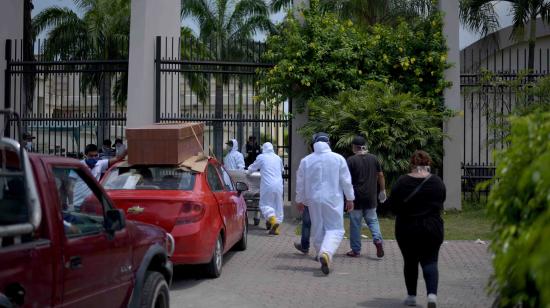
x: 7, y: 88
x: 158, y: 51
x: 7, y: 80
x: 290, y: 138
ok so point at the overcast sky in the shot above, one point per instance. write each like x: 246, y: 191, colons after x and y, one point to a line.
x: 466, y: 37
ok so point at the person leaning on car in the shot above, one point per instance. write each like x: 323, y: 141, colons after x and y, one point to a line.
x: 97, y: 167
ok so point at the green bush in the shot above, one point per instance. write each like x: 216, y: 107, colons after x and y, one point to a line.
x: 414, y: 56
x: 326, y: 55
x: 533, y: 98
x: 321, y: 58
x: 395, y: 124
x: 519, y: 203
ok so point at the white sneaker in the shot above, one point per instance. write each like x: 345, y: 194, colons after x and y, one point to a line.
x: 410, y: 300
x: 432, y: 299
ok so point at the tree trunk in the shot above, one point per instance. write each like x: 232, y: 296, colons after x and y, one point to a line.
x: 28, y: 55
x: 218, y: 114
x: 532, y: 41
x: 218, y: 108
x: 104, y: 108
x: 531, y: 59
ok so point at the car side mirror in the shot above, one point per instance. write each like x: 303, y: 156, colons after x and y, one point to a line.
x: 241, y: 186
x: 114, y: 220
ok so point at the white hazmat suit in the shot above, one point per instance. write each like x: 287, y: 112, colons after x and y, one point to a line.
x: 322, y: 180
x: 234, y: 160
x: 271, y: 185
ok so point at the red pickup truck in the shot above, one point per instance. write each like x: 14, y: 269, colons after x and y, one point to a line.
x: 54, y: 252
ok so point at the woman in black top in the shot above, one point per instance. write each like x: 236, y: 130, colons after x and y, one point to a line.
x: 417, y: 201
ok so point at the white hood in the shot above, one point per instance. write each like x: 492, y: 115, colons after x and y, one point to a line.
x: 234, y: 160
x: 267, y: 148
x: 235, y: 145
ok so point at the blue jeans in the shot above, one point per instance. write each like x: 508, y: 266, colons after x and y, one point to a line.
x: 355, y: 219
x: 306, y: 228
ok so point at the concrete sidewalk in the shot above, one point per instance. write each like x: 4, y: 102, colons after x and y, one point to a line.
x: 271, y: 273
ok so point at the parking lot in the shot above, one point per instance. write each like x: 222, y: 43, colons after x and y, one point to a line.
x: 271, y: 273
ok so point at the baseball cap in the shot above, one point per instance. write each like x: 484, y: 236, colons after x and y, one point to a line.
x: 358, y: 140
x: 324, y: 137
x: 230, y: 142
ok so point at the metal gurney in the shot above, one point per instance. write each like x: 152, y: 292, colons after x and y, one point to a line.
x: 252, y: 195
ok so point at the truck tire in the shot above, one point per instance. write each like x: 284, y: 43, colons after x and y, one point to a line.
x: 155, y: 291
x: 214, y: 268
x: 243, y: 243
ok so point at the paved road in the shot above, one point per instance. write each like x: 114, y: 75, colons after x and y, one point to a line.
x: 271, y: 273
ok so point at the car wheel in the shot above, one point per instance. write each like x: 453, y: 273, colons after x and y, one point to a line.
x: 155, y: 291
x: 214, y: 268
x: 241, y: 245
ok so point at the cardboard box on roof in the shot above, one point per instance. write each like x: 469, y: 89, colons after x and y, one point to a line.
x: 160, y: 144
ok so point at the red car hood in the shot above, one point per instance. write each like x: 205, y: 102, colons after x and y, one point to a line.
x: 157, y: 207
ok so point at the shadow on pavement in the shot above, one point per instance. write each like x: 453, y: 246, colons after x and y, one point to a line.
x: 310, y: 269
x: 375, y: 259
x: 293, y: 256
x: 383, y: 302
x: 188, y: 276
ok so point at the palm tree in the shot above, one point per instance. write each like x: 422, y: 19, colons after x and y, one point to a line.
x: 222, y: 23
x: 480, y: 15
x: 28, y: 55
x: 366, y: 13
x: 101, y: 33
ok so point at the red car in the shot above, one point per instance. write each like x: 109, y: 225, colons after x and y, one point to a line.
x: 202, y: 208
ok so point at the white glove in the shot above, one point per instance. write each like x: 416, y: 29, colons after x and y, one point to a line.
x: 382, y: 196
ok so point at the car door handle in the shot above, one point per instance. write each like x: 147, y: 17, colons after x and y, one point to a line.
x: 75, y: 262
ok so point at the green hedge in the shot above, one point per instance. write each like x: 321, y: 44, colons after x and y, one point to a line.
x: 519, y: 202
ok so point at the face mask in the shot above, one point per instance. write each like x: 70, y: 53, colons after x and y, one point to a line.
x: 91, y: 162
x: 28, y: 146
x: 423, y: 169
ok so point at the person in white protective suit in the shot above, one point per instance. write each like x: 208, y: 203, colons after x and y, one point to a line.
x: 322, y: 181
x: 271, y: 186
x: 234, y: 160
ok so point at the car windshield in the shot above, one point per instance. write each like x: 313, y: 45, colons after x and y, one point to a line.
x: 150, y: 178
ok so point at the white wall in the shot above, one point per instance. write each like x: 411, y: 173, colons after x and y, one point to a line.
x: 501, y: 53
x: 11, y: 27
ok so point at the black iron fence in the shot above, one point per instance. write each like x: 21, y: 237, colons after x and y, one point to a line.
x: 65, y: 98
x: 490, y: 81
x: 215, y: 82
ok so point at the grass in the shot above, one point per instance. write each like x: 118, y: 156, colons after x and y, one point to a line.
x: 470, y: 224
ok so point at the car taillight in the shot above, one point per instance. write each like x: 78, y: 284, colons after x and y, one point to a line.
x: 190, y: 212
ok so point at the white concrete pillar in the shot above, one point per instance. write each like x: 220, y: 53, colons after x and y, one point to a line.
x: 454, y: 128
x: 298, y: 144
x: 149, y: 19
x: 11, y: 27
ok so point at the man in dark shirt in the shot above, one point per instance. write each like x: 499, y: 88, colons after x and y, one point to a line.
x: 367, y: 177
x: 252, y: 151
